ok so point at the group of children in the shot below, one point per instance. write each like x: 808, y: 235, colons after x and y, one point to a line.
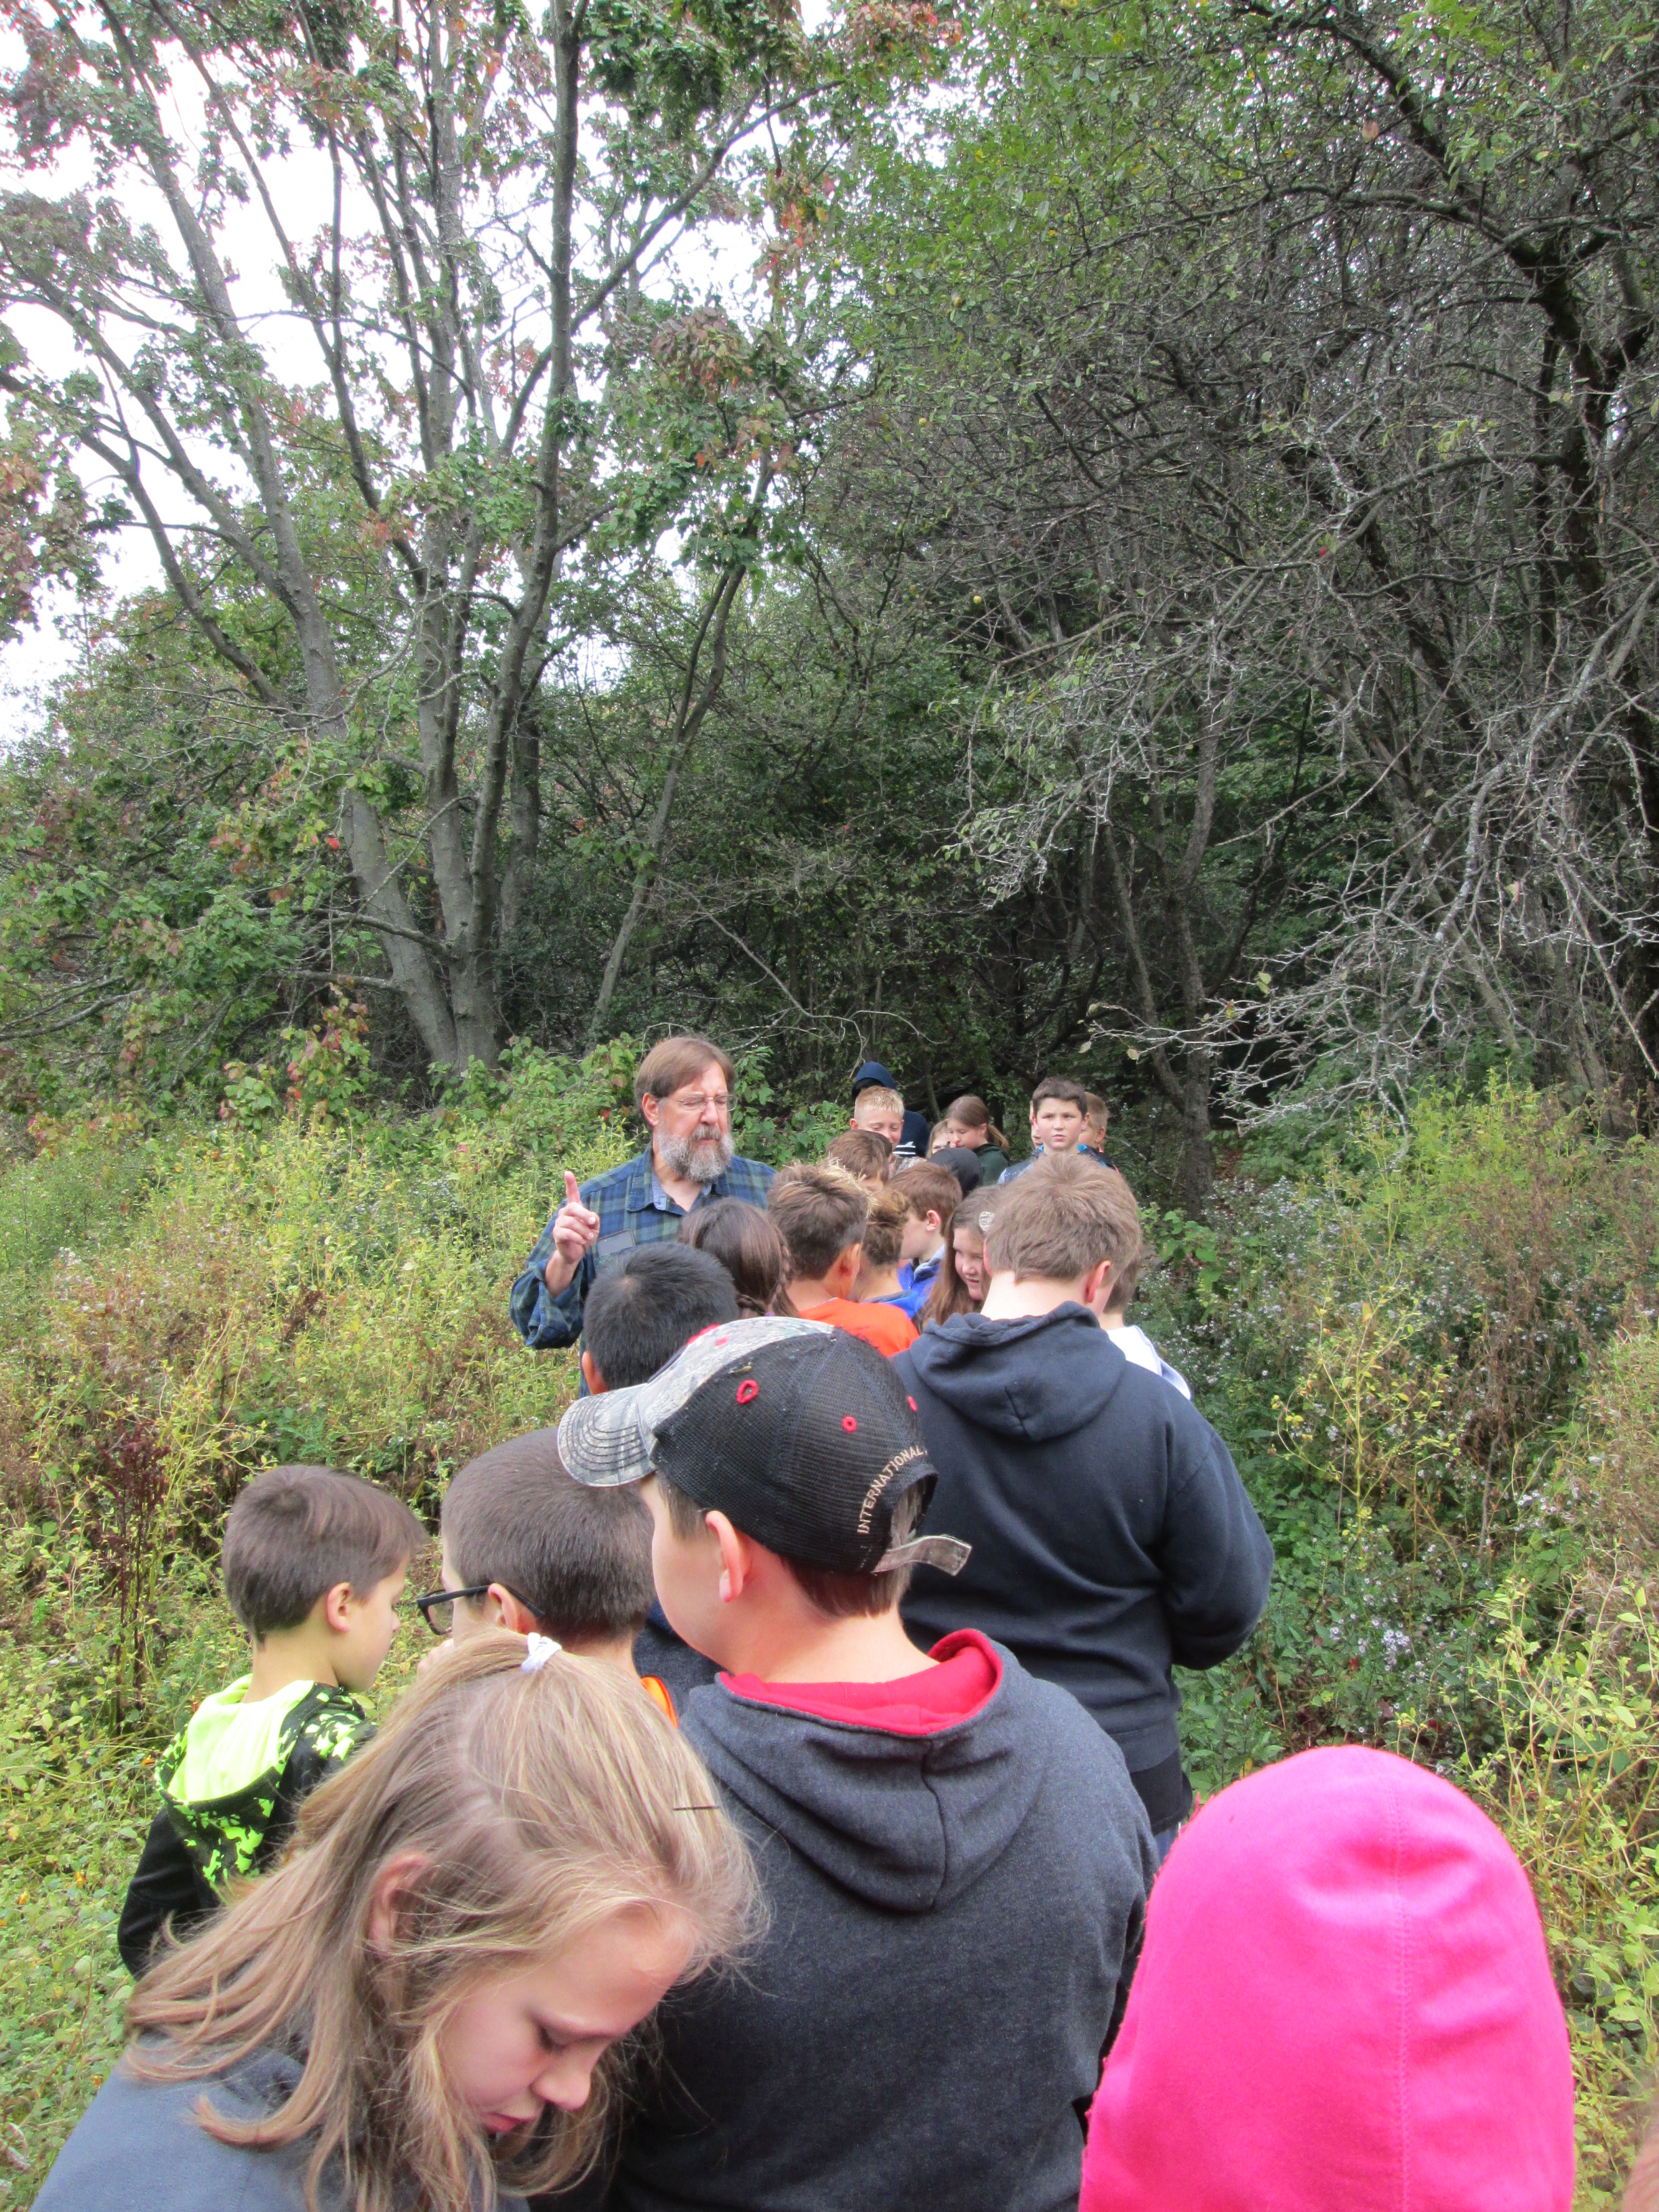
x: 808, y: 1695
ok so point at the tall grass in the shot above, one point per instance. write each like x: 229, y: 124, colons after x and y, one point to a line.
x: 1436, y: 1362
x: 1434, y: 1358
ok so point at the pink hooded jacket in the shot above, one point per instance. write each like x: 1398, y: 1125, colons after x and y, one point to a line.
x: 1344, y: 2004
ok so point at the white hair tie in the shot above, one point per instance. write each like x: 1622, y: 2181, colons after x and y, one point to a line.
x: 539, y: 1650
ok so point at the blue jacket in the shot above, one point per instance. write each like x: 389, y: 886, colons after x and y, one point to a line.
x: 1111, y: 1535
x: 633, y: 1208
x: 139, y: 2145
x: 916, y: 1286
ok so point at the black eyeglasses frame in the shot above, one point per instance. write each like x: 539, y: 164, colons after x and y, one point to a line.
x: 423, y: 1605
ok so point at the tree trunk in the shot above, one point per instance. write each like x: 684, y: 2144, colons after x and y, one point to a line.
x: 1197, y: 1159
x: 693, y: 707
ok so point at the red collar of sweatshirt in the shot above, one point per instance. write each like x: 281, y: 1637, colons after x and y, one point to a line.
x: 1344, y: 2004
x: 968, y: 1676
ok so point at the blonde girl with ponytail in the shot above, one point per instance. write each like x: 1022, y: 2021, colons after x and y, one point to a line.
x: 426, y: 2006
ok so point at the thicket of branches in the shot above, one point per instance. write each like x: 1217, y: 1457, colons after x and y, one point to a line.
x: 1168, y: 568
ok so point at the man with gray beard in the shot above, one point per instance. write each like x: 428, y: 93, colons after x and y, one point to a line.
x: 683, y: 1089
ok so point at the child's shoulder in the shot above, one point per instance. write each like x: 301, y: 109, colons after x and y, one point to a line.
x: 139, y: 2142
x: 327, y: 1721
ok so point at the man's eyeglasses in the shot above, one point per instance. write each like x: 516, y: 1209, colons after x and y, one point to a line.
x: 437, y: 1607
x: 694, y: 1102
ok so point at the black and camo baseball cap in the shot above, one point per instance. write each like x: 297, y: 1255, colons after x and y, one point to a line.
x: 804, y: 1436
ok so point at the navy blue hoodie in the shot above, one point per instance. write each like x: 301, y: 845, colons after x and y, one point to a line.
x: 1111, y: 1535
x: 955, y: 1869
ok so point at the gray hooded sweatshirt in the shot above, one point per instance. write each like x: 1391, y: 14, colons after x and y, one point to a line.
x: 956, y: 1888
x: 139, y: 2147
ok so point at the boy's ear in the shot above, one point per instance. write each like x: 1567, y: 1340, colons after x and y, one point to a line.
x: 1097, y: 1286
x: 511, y: 1615
x: 592, y: 1376
x: 936, y: 1222
x: 736, y: 1557
x: 336, y: 1607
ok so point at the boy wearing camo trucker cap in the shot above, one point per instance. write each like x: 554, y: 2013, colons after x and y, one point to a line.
x: 955, y: 1862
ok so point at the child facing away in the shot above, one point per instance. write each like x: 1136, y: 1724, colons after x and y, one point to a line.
x: 1345, y: 2000
x: 953, y: 1860
x: 1128, y: 1257
x: 933, y: 1194
x: 415, y: 2007
x: 1060, y: 1110
x: 742, y: 1239
x: 314, y: 1562
x: 820, y: 1214
x: 867, y: 1157
x: 1113, y: 1538
x: 638, y: 1315
x: 969, y: 1121
x: 962, y: 1164
x: 643, y: 1308
x: 1094, y: 1125
x: 883, y: 1238
x: 959, y: 1285
x: 526, y: 1548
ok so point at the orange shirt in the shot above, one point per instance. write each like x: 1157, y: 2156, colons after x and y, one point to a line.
x: 660, y: 1695
x: 890, y: 1328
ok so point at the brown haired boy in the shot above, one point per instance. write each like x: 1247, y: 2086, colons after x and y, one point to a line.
x: 1060, y: 1108
x: 863, y: 1154
x: 820, y: 1214
x: 1127, y: 1257
x: 955, y: 1862
x: 934, y: 1195
x: 314, y: 1562
x: 1112, y: 1537
x: 526, y: 1548
x: 1098, y: 1116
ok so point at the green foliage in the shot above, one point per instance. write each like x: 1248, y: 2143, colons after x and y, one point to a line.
x: 1573, y: 1777
x: 1436, y: 1362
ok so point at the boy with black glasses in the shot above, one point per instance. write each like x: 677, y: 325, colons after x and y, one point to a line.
x: 526, y: 1548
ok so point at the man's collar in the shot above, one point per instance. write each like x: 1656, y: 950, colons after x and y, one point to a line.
x: 646, y: 1196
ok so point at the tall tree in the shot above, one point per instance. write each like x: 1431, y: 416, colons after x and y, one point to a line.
x: 482, y: 195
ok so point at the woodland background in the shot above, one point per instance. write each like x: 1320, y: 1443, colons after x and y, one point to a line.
x: 1155, y: 572
x: 1003, y: 537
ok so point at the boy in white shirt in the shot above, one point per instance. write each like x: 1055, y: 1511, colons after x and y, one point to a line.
x: 1134, y: 1343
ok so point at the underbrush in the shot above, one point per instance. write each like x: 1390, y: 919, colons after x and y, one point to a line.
x: 1437, y: 1364
x: 1435, y: 1360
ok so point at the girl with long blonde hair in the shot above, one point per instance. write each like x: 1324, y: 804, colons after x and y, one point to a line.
x: 421, y: 2008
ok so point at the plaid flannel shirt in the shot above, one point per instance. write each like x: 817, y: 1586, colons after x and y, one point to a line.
x: 633, y: 1208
